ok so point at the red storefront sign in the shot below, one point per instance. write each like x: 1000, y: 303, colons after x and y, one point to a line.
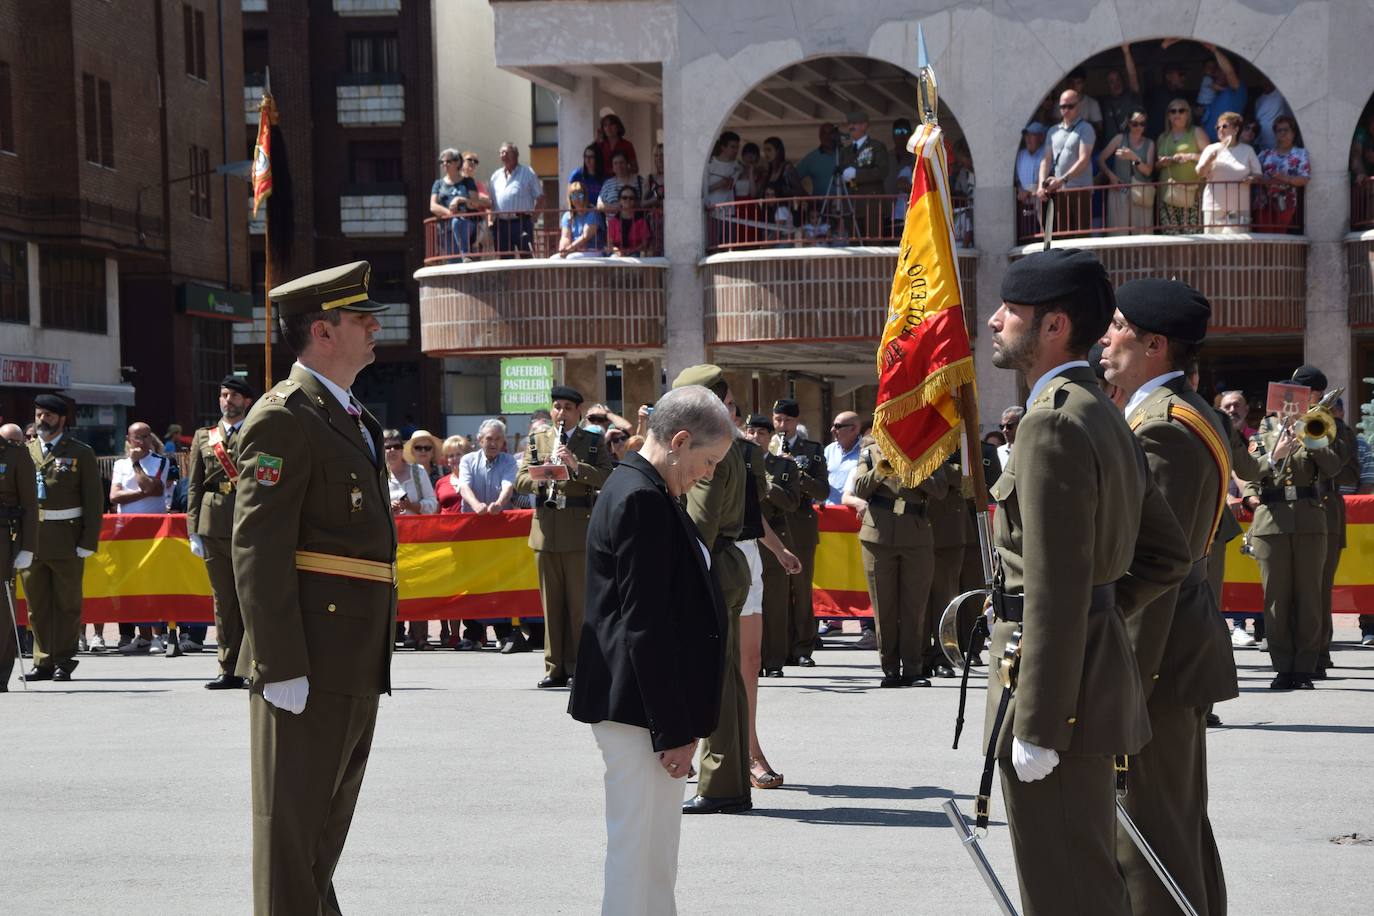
x: 35, y: 372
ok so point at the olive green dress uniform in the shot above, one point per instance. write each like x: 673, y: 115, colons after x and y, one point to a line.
x: 1333, y: 502
x: 1077, y: 512
x: 559, y: 539
x: 210, y: 515
x: 1183, y: 648
x: 804, y: 527
x: 52, y: 585
x: 784, y: 496
x: 18, y: 531
x: 949, y: 521
x: 898, y: 556
x: 1288, y: 537
x: 716, y: 506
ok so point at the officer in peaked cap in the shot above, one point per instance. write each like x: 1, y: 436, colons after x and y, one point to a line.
x: 558, y: 533
x: 314, y: 556
x: 803, y: 525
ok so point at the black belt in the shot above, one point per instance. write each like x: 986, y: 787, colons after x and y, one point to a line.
x: 573, y: 502
x: 1012, y: 607
x: 1271, y: 495
x: 908, y: 506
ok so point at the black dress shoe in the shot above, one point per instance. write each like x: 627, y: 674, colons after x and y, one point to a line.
x: 1213, y: 720
x: 700, y: 804
x: 61, y: 674
x: 1318, y: 675
x: 516, y: 643
x: 1303, y: 682
x: 225, y: 682
x: 38, y: 674
x: 772, y: 672
x: 1282, y: 681
x: 552, y: 682
x: 570, y: 682
x: 890, y: 680
x: 806, y: 661
x: 942, y: 670
x: 910, y: 681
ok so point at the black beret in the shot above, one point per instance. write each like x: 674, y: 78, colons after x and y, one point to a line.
x: 787, y: 407
x: 53, y: 402
x: 760, y: 421
x: 564, y: 393
x: 235, y: 383
x: 1310, y: 376
x: 1060, y: 273
x: 1168, y: 307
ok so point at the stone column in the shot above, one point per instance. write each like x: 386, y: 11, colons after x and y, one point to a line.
x: 639, y: 384
x: 1326, y: 333
x: 684, y: 232
x: 576, y: 127
x: 586, y: 373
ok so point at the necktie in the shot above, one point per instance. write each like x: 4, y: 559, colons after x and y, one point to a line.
x: 356, y: 413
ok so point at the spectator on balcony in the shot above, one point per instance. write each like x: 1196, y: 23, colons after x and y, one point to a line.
x: 1121, y: 102
x: 904, y: 164
x: 452, y: 201
x: 1129, y: 159
x: 515, y: 192
x: 1067, y: 165
x: 622, y: 177
x: 589, y: 174
x: 818, y: 167
x: 1229, y: 93
x: 865, y: 165
x: 630, y: 234
x: 1228, y: 166
x: 1088, y: 108
x: 446, y: 490
x: 1362, y: 150
x: 655, y: 190
x: 722, y: 170
x: 1270, y: 105
x: 1286, y: 168
x: 1178, y: 151
x: 580, y: 227
x: 816, y: 229
x: 779, y: 173
x: 612, y: 140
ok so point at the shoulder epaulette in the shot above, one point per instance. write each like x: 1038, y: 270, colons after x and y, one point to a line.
x: 282, y: 391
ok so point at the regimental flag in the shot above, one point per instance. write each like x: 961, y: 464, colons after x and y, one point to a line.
x: 924, y: 355
x: 262, y: 153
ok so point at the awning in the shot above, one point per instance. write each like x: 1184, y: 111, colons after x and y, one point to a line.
x: 97, y: 393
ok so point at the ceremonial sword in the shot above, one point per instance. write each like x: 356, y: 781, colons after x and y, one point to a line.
x: 12, y: 602
x: 1156, y: 865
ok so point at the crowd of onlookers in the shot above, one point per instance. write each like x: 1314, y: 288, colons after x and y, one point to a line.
x: 1198, y: 152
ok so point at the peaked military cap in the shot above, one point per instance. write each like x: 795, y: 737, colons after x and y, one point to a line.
x: 565, y: 393
x: 1310, y: 376
x: 343, y: 287
x: 787, y: 407
x: 1168, y: 307
x: 706, y: 375
x: 53, y: 402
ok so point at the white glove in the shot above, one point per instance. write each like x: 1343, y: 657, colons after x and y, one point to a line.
x: 23, y: 559
x: 291, y: 695
x: 83, y: 553
x: 197, y: 547
x: 1032, y: 762
x: 849, y: 173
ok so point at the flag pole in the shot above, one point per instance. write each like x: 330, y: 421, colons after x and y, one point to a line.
x: 262, y: 182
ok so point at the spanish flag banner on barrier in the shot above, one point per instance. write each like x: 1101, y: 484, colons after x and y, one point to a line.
x: 479, y: 566
x: 924, y: 353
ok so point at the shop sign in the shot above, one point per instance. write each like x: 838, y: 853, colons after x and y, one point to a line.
x: 208, y: 302
x: 525, y: 384
x: 35, y: 371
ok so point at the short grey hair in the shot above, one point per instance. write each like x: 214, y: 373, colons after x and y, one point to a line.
x: 451, y: 153
x: 1015, y: 410
x: 493, y: 423
x: 694, y: 409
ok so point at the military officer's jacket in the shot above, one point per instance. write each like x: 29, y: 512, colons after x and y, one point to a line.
x: 210, y: 491
x: 897, y: 516
x: 313, y: 493
x: 18, y: 499
x: 1306, y: 468
x: 564, y: 530
x: 68, y: 478
x: 810, y: 459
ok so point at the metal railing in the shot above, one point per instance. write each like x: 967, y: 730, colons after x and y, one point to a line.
x: 1164, y: 208
x: 836, y: 221
x: 487, y: 235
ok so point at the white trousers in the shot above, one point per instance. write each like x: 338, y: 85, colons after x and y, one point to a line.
x: 643, y: 824
x: 753, y: 602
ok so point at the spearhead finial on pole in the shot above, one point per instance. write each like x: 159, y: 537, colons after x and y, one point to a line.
x: 927, y: 92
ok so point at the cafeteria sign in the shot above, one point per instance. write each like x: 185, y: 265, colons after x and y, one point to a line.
x: 525, y: 384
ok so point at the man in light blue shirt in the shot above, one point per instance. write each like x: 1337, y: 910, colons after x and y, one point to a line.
x: 515, y: 192
x: 486, y: 478
x: 818, y: 167
x: 842, y: 454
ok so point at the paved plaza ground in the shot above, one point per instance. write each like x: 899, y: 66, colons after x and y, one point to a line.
x: 126, y: 792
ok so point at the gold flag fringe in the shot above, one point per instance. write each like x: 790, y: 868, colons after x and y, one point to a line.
x: 942, y: 381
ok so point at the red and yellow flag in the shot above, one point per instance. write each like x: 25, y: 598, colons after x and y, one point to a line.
x: 924, y: 355
x: 262, y: 153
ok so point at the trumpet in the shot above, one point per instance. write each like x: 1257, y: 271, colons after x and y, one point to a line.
x: 1318, y: 425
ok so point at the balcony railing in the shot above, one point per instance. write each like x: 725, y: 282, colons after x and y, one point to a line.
x: 1164, y: 208
x: 849, y: 220
x: 484, y: 234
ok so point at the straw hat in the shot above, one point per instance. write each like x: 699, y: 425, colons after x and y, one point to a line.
x: 423, y: 435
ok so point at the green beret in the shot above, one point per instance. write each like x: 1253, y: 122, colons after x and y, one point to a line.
x: 1168, y: 307
x: 705, y: 375
x: 343, y: 287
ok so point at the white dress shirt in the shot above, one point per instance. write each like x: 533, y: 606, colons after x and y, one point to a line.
x: 1045, y: 379
x: 1145, y: 390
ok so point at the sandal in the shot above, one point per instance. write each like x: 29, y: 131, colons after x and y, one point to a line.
x: 769, y: 780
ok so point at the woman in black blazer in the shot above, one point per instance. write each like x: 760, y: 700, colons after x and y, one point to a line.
x: 652, y: 656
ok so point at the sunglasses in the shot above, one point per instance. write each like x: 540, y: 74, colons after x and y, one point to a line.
x: 599, y: 418
x: 473, y: 161
x: 422, y: 448
x: 1137, y: 123
x: 1069, y: 107
x: 1011, y: 425
x: 577, y: 195
x: 1178, y: 111
x: 393, y: 446
x: 841, y: 425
